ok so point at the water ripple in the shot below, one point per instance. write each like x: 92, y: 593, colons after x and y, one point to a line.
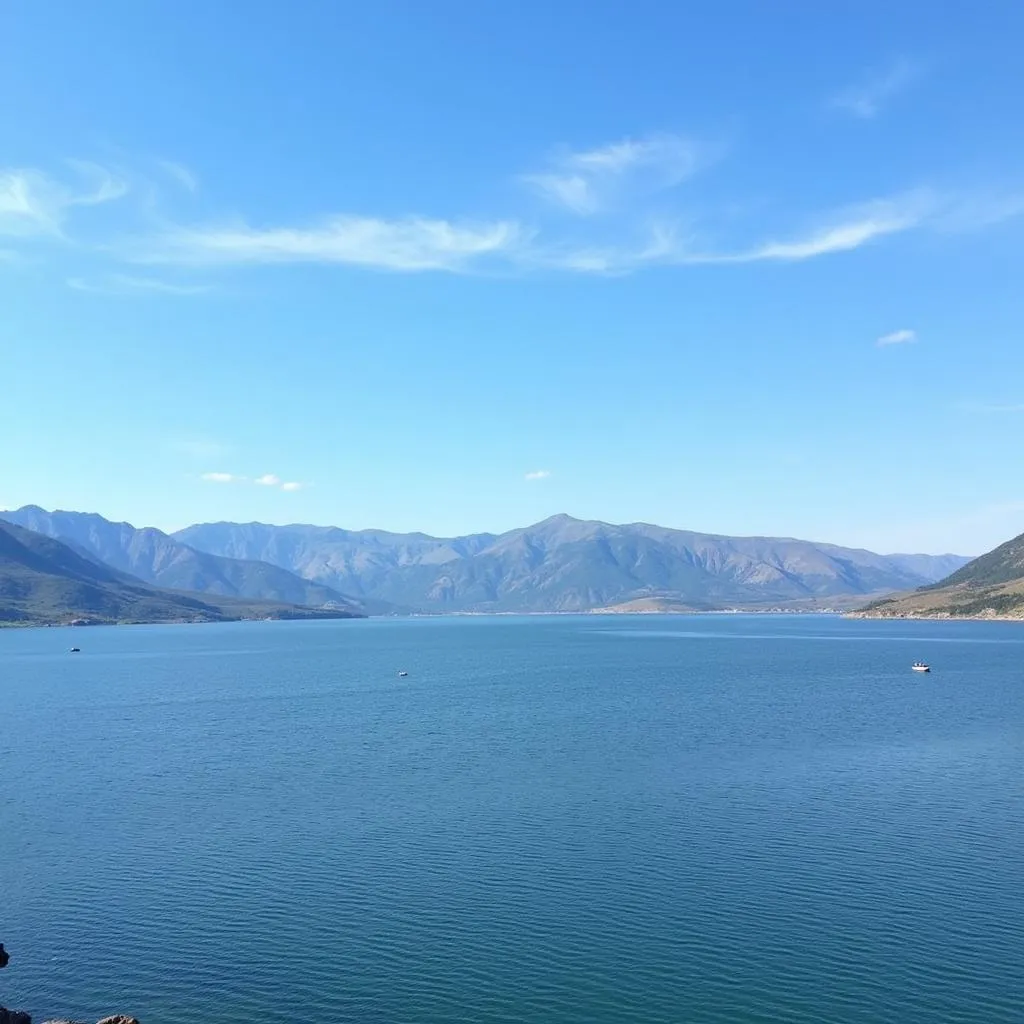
x: 638, y: 833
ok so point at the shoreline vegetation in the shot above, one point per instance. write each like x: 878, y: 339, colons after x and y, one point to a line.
x: 990, y: 588
x: 935, y: 616
x: 938, y: 616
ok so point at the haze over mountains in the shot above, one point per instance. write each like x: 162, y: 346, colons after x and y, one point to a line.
x: 154, y: 557
x: 558, y: 565
x: 565, y: 564
x: 43, y: 580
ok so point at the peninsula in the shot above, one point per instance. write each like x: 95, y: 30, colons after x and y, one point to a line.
x: 990, y: 587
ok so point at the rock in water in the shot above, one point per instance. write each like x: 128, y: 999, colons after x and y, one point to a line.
x: 117, y: 1019
x: 5, y: 957
x: 13, y: 1016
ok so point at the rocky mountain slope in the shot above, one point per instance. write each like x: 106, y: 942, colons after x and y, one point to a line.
x: 566, y: 564
x: 991, y: 586
x: 154, y: 557
x: 43, y: 580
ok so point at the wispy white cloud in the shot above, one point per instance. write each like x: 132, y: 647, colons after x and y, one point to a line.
x: 30, y: 204
x: 982, y: 208
x: 417, y: 244
x: 610, y: 178
x: 901, y: 337
x: 572, y: 191
x: 106, y: 184
x: 866, y: 98
x: 589, y: 181
x: 34, y: 203
x: 130, y: 284
x: 665, y: 245
x: 842, y: 232
x: 839, y: 238
x: 411, y: 244
x: 659, y: 243
x: 272, y: 480
x: 180, y: 174
x: 223, y: 478
x: 538, y: 474
x: 266, y: 480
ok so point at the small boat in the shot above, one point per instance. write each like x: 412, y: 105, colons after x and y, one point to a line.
x: 920, y: 666
x: 75, y: 650
x: 402, y: 675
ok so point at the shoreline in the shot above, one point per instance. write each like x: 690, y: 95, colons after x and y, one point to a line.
x: 934, y: 618
x: 776, y: 612
x: 8, y: 624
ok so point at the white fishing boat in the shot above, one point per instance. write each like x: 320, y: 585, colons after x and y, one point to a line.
x: 920, y: 666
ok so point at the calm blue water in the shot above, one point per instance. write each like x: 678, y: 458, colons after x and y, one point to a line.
x: 586, y: 820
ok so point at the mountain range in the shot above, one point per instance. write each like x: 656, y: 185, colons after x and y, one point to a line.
x: 988, y: 587
x: 558, y: 565
x: 565, y: 565
x: 43, y: 580
x: 154, y: 557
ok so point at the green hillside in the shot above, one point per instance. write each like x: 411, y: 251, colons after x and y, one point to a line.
x: 991, y: 586
x: 45, y: 581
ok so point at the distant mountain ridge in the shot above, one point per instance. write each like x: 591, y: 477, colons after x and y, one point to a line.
x: 991, y: 586
x: 566, y: 564
x: 44, y: 581
x: 157, y: 558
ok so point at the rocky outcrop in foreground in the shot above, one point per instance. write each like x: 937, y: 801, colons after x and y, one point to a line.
x: 119, y: 1019
x: 17, y: 1017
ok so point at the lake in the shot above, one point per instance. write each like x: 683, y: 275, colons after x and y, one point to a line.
x: 568, y: 820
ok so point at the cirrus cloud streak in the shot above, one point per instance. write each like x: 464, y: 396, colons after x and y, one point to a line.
x: 409, y: 244
x: 901, y: 337
x: 615, y: 180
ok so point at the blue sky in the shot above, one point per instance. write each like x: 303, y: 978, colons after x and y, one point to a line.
x: 458, y: 266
